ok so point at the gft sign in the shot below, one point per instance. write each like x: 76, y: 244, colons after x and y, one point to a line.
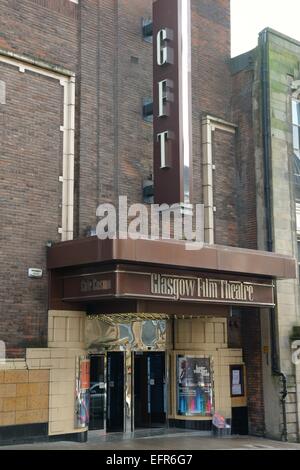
x: 172, y: 118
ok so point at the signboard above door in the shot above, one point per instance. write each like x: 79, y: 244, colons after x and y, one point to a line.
x: 200, y: 287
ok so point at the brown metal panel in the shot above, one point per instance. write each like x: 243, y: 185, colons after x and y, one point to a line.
x: 168, y: 182
x: 80, y: 252
x: 153, y: 307
x: 174, y: 253
x: 89, y: 287
x: 91, y: 251
x: 167, y: 285
x: 179, y: 309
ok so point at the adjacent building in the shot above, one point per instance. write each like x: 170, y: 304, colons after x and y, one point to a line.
x: 271, y: 77
x: 118, y: 335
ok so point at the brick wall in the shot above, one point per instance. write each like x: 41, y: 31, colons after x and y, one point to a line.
x: 30, y: 193
x: 225, y: 189
x: 116, y: 74
x: 251, y: 335
x: 211, y: 86
x: 242, y: 109
x: 102, y: 42
x: 43, y: 29
x: 31, y: 161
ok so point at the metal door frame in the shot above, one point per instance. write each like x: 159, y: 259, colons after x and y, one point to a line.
x: 128, y: 390
x: 166, y: 386
x: 124, y: 353
x: 104, y: 355
x: 128, y: 411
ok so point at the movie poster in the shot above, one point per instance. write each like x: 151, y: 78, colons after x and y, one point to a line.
x: 194, y: 390
x: 82, y: 395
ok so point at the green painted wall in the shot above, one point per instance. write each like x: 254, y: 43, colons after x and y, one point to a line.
x: 284, y: 69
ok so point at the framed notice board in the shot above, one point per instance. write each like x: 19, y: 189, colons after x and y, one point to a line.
x: 237, y: 386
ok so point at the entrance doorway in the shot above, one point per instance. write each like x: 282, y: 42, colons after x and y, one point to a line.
x: 97, y: 393
x: 115, y: 392
x: 107, y: 392
x: 149, y: 390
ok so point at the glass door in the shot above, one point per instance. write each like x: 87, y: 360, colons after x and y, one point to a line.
x: 149, y: 390
x: 142, y: 403
x: 97, y: 393
x: 157, y: 389
x: 115, y: 392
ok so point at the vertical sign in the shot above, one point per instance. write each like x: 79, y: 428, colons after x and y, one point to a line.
x: 85, y: 374
x: 172, y: 116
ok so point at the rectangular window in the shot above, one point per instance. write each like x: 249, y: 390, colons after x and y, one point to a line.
x: 296, y: 126
x: 296, y: 112
x: 296, y: 151
x: 298, y: 243
x: 296, y: 143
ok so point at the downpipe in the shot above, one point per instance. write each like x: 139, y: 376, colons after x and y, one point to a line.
x: 283, y: 396
x: 266, y: 139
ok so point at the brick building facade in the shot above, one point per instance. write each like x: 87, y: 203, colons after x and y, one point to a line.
x: 31, y: 160
x: 102, y: 44
x: 74, y: 77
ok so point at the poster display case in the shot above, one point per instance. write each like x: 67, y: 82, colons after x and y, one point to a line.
x: 82, y: 394
x: 194, y: 386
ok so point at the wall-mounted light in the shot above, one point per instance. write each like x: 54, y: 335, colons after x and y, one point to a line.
x: 35, y: 273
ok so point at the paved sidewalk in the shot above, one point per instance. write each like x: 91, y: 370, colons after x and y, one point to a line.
x: 170, y: 440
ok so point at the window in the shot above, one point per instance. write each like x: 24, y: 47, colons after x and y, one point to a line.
x: 147, y: 28
x: 148, y: 110
x: 298, y: 219
x: 296, y: 145
x: 296, y: 127
x: 298, y: 243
